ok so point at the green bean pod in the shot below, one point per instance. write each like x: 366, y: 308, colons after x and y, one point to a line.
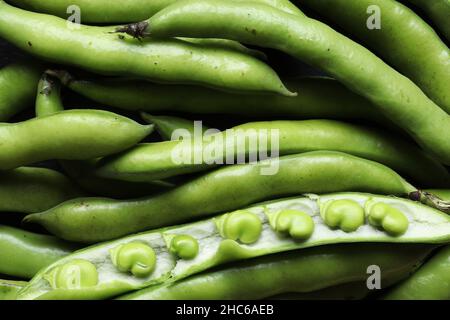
x: 23, y: 254
x: 151, y: 161
x: 167, y: 255
x: 18, y: 84
x: 430, y: 282
x: 29, y: 190
x: 303, y: 272
x: 48, y: 99
x: 346, y: 291
x: 97, y: 219
x: 318, y: 97
x: 68, y: 135
x: 399, y: 41
x: 100, y: 50
x: 103, y: 11
x: 397, y: 97
x: 437, y: 11
x: 9, y: 289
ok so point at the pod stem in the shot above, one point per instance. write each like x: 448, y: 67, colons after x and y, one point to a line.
x: 63, y: 76
x: 430, y: 199
x: 136, y: 30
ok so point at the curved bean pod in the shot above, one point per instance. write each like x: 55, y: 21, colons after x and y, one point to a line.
x: 48, y: 101
x: 99, y: 50
x: 9, y: 289
x: 18, y: 84
x: 109, y: 269
x: 104, y: 11
x: 430, y: 282
x: 438, y: 11
x: 147, y: 162
x: 96, y: 219
x: 399, y: 42
x: 29, y: 190
x: 318, y: 97
x: 292, y: 272
x: 23, y: 254
x: 70, y: 135
x: 394, y: 95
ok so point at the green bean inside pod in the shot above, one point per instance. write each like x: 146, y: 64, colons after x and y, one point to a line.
x: 228, y: 188
x: 170, y: 254
x: 394, y: 95
x: 100, y: 50
x: 310, y: 273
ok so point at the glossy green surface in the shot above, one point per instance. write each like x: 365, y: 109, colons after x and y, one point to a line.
x: 104, y: 11
x: 430, y: 282
x: 302, y: 271
x: 96, y: 219
x: 438, y: 11
x: 399, y: 42
x: 394, y: 95
x: 28, y: 190
x: 151, y: 161
x: 23, y: 254
x: 317, y: 97
x: 100, y: 50
x: 9, y: 289
x: 18, y: 83
x: 48, y: 99
x: 69, y: 135
x: 426, y: 225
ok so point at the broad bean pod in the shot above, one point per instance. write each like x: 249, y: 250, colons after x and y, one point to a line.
x: 68, y: 135
x: 399, y: 41
x: 397, y: 97
x: 437, y: 11
x: 29, y: 190
x: 99, y: 50
x: 104, y: 11
x: 151, y: 161
x: 430, y: 282
x: 97, y: 219
x: 174, y: 253
x: 9, y: 289
x: 48, y: 101
x: 23, y: 254
x: 18, y: 84
x: 318, y: 97
x: 304, y: 271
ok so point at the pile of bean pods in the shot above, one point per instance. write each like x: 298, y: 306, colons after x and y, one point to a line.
x: 180, y: 150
